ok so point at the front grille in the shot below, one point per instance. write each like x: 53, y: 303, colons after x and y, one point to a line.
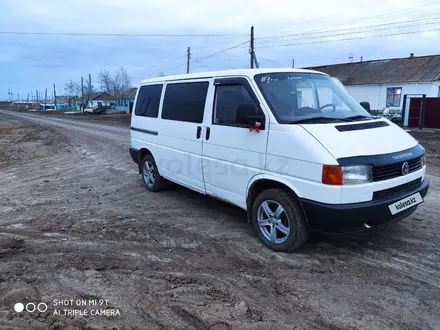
x: 387, y: 172
x: 396, y: 190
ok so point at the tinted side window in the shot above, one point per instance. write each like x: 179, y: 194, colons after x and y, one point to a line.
x: 185, y: 102
x: 148, y: 100
x: 227, y: 101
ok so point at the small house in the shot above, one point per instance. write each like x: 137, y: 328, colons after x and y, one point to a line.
x: 100, y: 99
x: 127, y: 98
x: 409, y: 84
x: 62, y: 103
x: 383, y: 83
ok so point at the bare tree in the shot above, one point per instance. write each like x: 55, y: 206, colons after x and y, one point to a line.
x: 87, y: 92
x: 161, y: 74
x: 72, y: 88
x: 106, y: 81
x: 125, y: 79
x: 115, y: 84
x: 122, y: 82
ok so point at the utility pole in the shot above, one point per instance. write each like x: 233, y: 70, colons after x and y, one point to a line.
x: 45, y: 99
x: 293, y: 63
x: 188, y: 57
x: 18, y: 99
x: 252, y: 48
x: 54, y: 96
x: 90, y: 89
x: 82, y: 94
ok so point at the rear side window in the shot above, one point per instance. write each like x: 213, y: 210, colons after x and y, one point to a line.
x: 147, y: 104
x: 185, y: 101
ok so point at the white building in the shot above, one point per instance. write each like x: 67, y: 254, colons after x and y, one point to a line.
x: 384, y: 83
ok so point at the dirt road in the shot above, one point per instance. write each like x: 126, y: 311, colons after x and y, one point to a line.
x: 77, y: 224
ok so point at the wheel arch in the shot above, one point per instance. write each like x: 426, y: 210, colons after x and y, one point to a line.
x: 261, y: 183
x: 142, y: 153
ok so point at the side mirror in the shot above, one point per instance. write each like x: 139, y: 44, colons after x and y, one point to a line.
x: 247, y: 116
x: 366, y: 106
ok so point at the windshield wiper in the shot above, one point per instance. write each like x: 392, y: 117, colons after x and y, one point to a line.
x: 317, y: 120
x: 352, y: 118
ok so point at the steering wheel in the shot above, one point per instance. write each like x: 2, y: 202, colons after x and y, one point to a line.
x: 328, y: 105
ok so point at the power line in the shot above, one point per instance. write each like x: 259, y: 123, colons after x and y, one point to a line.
x: 161, y: 66
x: 326, y: 15
x: 355, y: 38
x: 115, y: 34
x: 229, y: 58
x: 348, y: 29
x: 201, y: 64
x: 177, y: 67
x: 357, y: 32
x: 167, y: 62
x: 380, y: 15
x: 222, y: 51
x: 214, y: 45
x: 270, y: 61
x: 222, y: 60
x: 371, y: 17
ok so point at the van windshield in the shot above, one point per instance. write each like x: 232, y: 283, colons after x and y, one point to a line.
x: 308, y: 97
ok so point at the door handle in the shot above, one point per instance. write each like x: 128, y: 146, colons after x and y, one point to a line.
x: 208, y: 133
x: 199, y: 131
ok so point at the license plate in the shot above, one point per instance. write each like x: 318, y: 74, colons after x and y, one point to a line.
x: 405, y: 203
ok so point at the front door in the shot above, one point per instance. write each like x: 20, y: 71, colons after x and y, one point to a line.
x: 415, y: 106
x: 232, y: 153
x: 179, y: 149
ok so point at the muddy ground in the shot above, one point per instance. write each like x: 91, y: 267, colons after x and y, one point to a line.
x: 76, y: 223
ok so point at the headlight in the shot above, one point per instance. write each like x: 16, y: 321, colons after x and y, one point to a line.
x: 346, y: 175
x: 424, y: 160
x: 357, y: 174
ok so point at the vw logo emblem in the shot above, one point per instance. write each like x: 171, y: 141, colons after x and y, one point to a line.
x: 405, y: 168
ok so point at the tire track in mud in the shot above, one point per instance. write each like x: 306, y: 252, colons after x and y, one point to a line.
x: 179, y: 260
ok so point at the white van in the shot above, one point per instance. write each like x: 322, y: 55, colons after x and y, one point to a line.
x: 290, y: 146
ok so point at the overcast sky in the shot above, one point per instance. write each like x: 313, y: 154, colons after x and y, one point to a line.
x: 30, y: 62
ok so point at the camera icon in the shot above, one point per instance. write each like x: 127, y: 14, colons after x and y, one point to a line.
x: 30, y: 307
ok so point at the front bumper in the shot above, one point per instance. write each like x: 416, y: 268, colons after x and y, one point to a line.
x: 349, y: 218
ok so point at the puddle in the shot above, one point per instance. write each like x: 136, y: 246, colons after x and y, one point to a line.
x: 16, y: 226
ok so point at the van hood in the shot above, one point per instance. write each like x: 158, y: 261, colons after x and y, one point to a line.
x: 364, y: 138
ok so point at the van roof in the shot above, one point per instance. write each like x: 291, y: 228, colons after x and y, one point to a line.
x: 225, y: 73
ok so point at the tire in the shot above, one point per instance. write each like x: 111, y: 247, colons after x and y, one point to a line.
x: 152, y: 180
x: 282, y: 232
